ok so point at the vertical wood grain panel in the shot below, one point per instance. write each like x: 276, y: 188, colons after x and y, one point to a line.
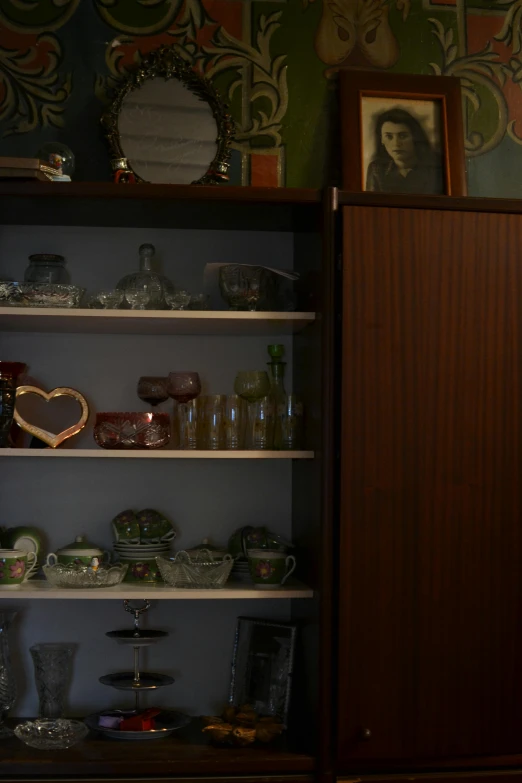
x: 430, y: 638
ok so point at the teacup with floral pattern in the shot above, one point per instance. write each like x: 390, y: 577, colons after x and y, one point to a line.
x: 269, y: 568
x: 15, y: 567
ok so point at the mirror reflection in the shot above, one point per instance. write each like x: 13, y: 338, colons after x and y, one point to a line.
x: 167, y: 133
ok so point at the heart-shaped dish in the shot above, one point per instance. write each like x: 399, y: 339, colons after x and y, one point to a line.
x: 47, y: 437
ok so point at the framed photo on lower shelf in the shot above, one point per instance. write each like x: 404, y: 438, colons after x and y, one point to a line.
x: 402, y: 133
x: 262, y: 666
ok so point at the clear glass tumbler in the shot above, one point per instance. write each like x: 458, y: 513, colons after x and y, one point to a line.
x: 290, y: 417
x: 52, y: 670
x: 188, y: 418
x: 214, y: 421
x: 261, y: 425
x: 234, y: 425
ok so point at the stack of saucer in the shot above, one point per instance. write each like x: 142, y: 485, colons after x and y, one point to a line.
x: 240, y: 570
x: 135, y: 551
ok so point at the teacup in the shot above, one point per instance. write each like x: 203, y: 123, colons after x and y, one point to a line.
x: 269, y: 568
x: 15, y: 567
x: 141, y: 570
x: 126, y: 528
x: 154, y: 527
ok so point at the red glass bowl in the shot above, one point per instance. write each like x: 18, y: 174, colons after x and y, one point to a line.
x: 132, y: 430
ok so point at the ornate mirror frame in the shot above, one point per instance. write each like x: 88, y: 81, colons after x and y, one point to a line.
x: 166, y: 62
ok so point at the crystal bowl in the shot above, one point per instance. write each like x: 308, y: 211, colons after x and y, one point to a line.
x: 183, y: 572
x: 40, y: 295
x: 132, y: 430
x: 56, y: 734
x: 81, y: 576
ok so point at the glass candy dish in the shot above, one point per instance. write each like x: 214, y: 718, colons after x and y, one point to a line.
x: 183, y: 572
x: 58, y: 734
x: 14, y: 294
x: 132, y: 430
x: 81, y: 576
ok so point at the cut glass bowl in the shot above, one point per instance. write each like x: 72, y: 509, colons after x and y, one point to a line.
x: 56, y: 734
x: 81, y: 576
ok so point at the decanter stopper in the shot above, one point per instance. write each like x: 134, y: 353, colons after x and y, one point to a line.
x: 146, y: 252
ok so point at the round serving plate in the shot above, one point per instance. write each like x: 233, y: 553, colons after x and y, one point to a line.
x: 168, y: 722
x: 143, y: 639
x: 124, y: 681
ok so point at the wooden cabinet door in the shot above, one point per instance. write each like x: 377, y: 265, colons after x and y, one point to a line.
x: 430, y: 615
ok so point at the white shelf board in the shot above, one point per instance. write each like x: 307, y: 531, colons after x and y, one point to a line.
x: 194, y: 322
x: 158, y: 454
x: 38, y: 589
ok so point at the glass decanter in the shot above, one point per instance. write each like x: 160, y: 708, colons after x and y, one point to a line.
x: 277, y: 394
x: 145, y: 290
x: 7, y: 680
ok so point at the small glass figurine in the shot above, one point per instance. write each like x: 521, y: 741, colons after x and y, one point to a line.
x: 59, y: 157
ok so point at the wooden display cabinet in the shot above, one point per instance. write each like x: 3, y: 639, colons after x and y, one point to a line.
x: 79, y: 488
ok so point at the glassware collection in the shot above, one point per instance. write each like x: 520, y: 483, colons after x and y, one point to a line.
x: 260, y: 415
x: 47, y: 283
x: 204, y: 566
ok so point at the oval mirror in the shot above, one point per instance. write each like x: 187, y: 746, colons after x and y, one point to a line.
x: 168, y: 124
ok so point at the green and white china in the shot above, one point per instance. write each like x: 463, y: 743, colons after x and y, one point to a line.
x: 80, y: 552
x: 269, y: 568
x: 142, y: 570
x: 28, y: 539
x: 15, y: 567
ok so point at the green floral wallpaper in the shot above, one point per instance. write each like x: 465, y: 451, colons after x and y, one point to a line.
x: 277, y: 64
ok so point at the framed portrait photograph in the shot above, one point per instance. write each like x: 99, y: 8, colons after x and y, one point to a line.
x: 402, y: 133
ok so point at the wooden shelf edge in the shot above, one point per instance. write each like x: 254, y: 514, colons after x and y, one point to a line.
x: 109, y: 190
x: 95, y: 453
x: 42, y: 590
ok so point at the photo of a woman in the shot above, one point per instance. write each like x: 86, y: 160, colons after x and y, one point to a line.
x: 404, y: 160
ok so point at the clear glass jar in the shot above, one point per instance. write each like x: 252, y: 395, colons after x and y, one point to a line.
x: 46, y: 268
x: 145, y: 290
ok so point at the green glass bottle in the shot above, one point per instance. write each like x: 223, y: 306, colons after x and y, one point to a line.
x: 278, y: 395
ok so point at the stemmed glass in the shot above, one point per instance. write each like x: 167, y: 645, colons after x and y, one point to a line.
x: 152, y: 389
x: 252, y: 386
x: 184, y: 387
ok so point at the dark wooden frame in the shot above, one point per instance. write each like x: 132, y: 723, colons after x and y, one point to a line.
x: 356, y: 85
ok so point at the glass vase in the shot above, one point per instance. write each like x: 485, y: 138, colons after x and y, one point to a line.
x: 7, y: 680
x: 52, y: 670
x: 9, y: 374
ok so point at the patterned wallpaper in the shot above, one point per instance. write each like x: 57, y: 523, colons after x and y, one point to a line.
x: 275, y: 61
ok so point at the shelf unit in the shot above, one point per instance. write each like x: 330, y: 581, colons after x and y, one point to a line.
x: 159, y: 454
x: 283, y: 485
x: 215, y: 322
x: 39, y: 589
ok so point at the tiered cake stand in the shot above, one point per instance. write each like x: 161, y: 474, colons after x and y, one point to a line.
x: 136, y: 682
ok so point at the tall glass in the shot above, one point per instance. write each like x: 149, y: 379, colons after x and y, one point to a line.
x: 291, y: 422
x: 252, y: 386
x: 184, y: 387
x: 52, y: 670
x: 7, y: 680
x: 234, y: 422
x: 214, y: 420
x: 260, y: 434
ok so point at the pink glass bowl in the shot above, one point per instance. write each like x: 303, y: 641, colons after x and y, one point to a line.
x: 132, y: 430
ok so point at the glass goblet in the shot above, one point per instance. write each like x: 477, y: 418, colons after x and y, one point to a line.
x: 138, y: 299
x: 252, y: 386
x: 185, y: 387
x: 179, y: 300
x: 152, y: 389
